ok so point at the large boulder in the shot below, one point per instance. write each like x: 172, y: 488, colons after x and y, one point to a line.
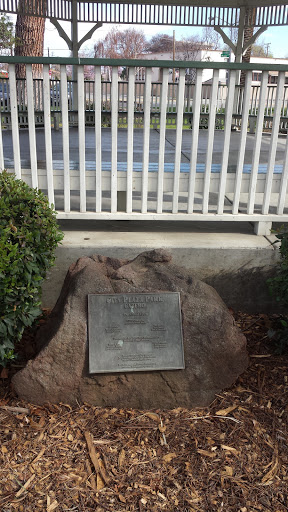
x: 214, y: 348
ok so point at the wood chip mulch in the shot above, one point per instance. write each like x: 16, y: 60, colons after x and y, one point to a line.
x: 231, y: 456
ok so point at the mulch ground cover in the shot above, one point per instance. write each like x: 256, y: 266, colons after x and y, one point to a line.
x: 230, y: 456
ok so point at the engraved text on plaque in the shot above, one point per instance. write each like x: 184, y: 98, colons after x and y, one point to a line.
x: 135, y: 332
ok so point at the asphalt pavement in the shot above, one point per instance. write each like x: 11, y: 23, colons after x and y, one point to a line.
x: 57, y: 147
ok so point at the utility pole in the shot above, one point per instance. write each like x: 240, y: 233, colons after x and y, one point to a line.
x: 267, y: 46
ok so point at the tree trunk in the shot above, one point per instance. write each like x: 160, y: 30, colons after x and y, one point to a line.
x: 248, y: 33
x: 29, y: 36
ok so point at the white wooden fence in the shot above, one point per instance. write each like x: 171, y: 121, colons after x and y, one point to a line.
x: 168, y: 186
x: 156, y: 87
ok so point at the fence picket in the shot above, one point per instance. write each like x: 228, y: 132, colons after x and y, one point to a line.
x: 65, y: 137
x: 31, y: 125
x: 81, y: 136
x: 14, y: 121
x: 273, y: 143
x: 257, y: 146
x: 98, y: 138
x: 210, y: 141
x: 47, y: 134
x: 194, y: 141
x: 163, y: 115
x: 242, y: 144
x: 114, y: 133
x: 130, y: 137
x: 284, y: 182
x: 178, y: 144
x: 227, y: 137
x: 146, y: 140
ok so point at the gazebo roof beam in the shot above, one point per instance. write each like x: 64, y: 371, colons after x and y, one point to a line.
x: 200, y: 13
x: 199, y: 3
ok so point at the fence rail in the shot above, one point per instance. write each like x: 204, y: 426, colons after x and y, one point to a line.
x: 156, y: 88
x: 120, y: 172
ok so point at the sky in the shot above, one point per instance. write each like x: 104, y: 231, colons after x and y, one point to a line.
x: 58, y: 48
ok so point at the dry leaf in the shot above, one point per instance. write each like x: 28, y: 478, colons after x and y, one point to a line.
x: 267, y: 479
x: 153, y: 416
x: 229, y: 449
x: 91, y: 477
x: 34, y: 424
x: 103, y: 472
x: 224, y: 412
x: 206, y: 453
x: 39, y: 455
x: 228, y: 470
x: 121, y: 458
x: 121, y: 498
x: 146, y: 487
x: 169, y: 457
x: 100, y: 483
x: 53, y: 506
x: 41, y: 436
x: 42, y: 422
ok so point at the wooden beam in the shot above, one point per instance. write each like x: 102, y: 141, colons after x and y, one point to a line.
x: 89, y: 34
x: 61, y: 32
x: 225, y: 38
x: 254, y: 37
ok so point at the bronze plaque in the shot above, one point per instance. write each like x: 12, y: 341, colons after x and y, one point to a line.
x: 132, y: 332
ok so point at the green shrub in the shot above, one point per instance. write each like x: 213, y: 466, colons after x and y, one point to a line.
x: 279, y: 288
x: 279, y: 283
x: 29, y: 235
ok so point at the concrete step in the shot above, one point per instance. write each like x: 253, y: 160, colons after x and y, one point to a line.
x: 230, y: 257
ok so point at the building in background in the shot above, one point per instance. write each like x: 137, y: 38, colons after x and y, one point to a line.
x: 207, y: 55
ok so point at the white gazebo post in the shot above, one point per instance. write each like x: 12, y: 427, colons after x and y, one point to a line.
x: 240, y: 47
x: 75, y: 48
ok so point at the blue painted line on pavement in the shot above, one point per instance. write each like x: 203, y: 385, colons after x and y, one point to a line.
x: 185, y: 168
x: 153, y: 166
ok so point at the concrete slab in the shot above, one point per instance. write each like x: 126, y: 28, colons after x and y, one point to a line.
x: 144, y: 239
x: 235, y: 252
x: 57, y: 147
